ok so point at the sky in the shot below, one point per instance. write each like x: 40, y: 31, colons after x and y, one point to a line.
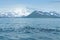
x: 43, y: 5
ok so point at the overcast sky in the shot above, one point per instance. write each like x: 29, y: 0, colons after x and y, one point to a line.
x: 44, y: 5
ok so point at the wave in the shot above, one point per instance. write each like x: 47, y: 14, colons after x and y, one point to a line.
x: 28, y: 29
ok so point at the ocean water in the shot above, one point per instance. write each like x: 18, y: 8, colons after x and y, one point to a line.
x: 29, y: 29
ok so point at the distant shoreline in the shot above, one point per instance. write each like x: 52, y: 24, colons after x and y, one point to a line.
x: 29, y: 17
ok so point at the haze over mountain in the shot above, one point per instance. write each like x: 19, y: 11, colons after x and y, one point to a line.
x: 15, y: 12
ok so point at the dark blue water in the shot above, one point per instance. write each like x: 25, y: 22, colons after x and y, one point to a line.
x: 29, y: 29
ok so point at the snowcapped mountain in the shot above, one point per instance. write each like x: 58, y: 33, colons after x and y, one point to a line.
x: 40, y: 14
x: 29, y: 13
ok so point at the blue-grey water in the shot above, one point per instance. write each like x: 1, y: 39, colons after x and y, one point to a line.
x: 29, y: 29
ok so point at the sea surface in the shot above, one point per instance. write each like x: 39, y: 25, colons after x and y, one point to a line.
x: 29, y: 28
